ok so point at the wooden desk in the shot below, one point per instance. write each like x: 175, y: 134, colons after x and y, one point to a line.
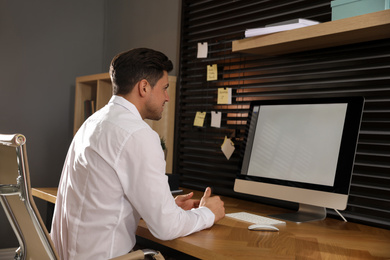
x: 48, y: 194
x: 230, y: 239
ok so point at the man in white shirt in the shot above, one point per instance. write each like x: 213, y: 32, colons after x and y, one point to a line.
x: 114, y: 172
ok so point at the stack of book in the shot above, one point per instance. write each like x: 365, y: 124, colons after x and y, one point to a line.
x: 279, y: 27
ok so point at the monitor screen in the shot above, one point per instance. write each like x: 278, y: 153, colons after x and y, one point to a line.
x: 301, y: 150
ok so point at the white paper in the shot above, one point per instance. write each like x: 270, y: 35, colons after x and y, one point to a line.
x: 227, y: 147
x: 202, y: 50
x: 279, y: 28
x: 216, y: 119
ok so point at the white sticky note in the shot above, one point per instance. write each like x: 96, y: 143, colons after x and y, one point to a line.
x: 216, y: 119
x: 202, y: 50
x: 224, y: 96
x: 227, y: 148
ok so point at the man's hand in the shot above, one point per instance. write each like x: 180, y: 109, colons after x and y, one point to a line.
x: 185, y: 202
x: 215, y: 204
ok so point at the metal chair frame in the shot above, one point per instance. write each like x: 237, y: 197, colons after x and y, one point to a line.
x: 20, y: 209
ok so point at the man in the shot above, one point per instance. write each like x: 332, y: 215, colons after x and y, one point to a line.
x: 114, y: 172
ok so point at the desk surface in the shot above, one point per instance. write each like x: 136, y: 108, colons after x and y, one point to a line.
x: 48, y: 194
x: 230, y: 239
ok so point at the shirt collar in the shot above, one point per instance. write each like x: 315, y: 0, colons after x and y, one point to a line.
x: 126, y: 104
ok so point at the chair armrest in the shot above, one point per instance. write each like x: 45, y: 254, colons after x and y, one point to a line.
x: 139, y: 255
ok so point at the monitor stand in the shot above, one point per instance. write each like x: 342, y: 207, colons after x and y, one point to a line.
x: 305, y: 213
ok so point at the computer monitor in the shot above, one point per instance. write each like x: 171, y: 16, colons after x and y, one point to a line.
x: 301, y: 150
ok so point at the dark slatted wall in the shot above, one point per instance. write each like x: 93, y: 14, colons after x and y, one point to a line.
x: 358, y: 69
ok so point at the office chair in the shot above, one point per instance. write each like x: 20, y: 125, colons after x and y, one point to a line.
x: 20, y: 209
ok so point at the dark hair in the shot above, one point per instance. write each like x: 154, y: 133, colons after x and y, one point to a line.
x: 132, y: 66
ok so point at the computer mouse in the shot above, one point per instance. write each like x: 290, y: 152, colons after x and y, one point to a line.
x: 263, y: 227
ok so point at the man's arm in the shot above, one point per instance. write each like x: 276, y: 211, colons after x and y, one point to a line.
x: 215, y: 204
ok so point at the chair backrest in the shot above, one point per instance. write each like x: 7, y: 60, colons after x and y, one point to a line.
x: 18, y: 203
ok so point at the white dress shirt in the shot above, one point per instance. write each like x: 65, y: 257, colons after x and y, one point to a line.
x: 113, y: 175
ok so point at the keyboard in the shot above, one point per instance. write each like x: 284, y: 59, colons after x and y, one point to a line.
x: 254, y: 219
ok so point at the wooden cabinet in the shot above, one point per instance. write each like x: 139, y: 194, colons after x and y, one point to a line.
x: 96, y: 90
x: 362, y: 28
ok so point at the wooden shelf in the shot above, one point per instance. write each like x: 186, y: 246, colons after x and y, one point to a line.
x: 362, y: 28
x: 92, y: 87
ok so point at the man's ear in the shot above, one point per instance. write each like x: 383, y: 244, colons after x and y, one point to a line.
x: 143, y: 87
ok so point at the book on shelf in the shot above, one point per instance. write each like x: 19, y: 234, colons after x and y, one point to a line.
x: 93, y: 106
x: 89, y: 108
x: 279, y: 27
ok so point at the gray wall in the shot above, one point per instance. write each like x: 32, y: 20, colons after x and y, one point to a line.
x: 44, y: 46
x: 148, y: 23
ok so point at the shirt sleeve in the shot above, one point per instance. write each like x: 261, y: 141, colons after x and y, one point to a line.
x: 141, y: 170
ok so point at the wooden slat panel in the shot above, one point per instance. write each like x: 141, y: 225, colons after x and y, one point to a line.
x: 356, y: 69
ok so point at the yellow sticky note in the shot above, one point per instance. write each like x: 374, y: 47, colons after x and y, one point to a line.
x: 199, y: 118
x: 227, y: 147
x: 224, y: 96
x: 212, y: 72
